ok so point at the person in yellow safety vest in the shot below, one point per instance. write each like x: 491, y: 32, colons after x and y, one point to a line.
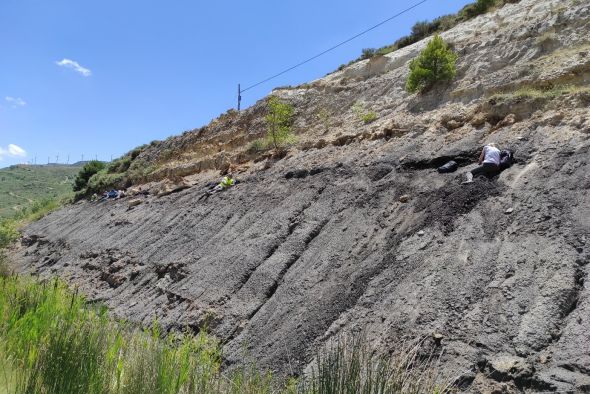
x: 226, y: 182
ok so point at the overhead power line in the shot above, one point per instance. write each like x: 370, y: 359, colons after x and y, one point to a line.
x: 335, y: 46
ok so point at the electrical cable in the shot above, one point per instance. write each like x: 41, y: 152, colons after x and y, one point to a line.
x: 335, y: 46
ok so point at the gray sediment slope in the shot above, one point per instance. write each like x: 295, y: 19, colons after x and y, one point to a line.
x: 321, y: 241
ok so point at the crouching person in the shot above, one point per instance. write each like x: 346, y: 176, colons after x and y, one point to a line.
x: 489, y: 163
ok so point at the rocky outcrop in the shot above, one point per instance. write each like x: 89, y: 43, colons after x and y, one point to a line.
x: 354, y: 230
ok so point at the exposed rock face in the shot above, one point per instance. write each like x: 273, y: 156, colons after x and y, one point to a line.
x: 355, y: 230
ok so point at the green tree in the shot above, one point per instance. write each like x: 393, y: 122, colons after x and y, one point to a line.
x: 437, y: 62
x: 89, y: 169
x: 279, y: 119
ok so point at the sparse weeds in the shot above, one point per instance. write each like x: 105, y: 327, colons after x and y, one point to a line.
x: 258, y: 145
x: 323, y: 115
x: 531, y: 92
x: 369, y: 117
x: 362, y: 114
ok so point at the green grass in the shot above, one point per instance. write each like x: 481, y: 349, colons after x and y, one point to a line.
x: 362, y: 114
x: 9, y: 226
x: 53, y: 341
x: 369, y: 117
x: 22, y: 185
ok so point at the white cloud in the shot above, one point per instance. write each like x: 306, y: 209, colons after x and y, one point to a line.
x: 74, y: 66
x: 15, y: 101
x: 12, y: 151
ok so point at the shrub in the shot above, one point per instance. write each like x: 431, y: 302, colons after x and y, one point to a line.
x: 362, y: 114
x: 474, y: 9
x: 102, y: 181
x: 368, y: 53
x: 89, y: 169
x: 120, y: 165
x: 139, y: 171
x: 279, y: 120
x: 422, y: 28
x: 437, y: 62
x: 369, y: 117
x: 446, y: 22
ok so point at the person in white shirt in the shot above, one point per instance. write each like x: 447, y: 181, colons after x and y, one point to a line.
x: 489, y: 163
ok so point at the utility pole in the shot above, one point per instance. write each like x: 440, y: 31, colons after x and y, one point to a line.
x: 82, y: 156
x: 48, y: 158
x: 57, y: 159
x: 96, y: 156
x: 35, y: 160
x: 68, y: 161
x: 239, y: 96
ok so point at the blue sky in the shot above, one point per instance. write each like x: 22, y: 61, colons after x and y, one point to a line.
x: 99, y: 78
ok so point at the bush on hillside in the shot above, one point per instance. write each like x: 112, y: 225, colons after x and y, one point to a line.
x: 368, y: 53
x: 119, y: 165
x: 102, y: 181
x: 422, y: 28
x: 437, y: 62
x: 89, y: 169
x: 362, y: 114
x: 279, y: 120
x: 474, y: 9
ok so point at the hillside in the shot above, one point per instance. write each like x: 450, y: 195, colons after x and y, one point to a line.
x: 352, y: 229
x: 22, y: 185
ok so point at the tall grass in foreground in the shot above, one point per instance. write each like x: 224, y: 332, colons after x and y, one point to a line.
x: 348, y: 366
x: 52, y: 341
